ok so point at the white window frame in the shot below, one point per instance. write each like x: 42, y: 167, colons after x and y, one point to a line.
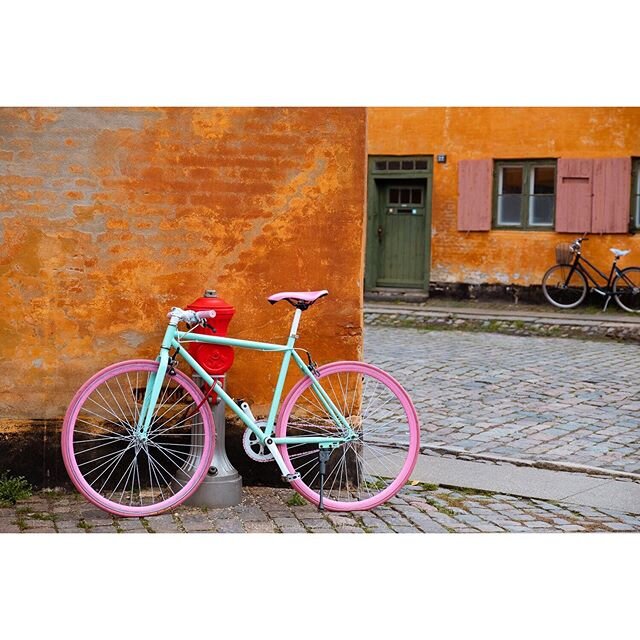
x: 528, y: 167
x: 500, y: 183
x: 531, y: 196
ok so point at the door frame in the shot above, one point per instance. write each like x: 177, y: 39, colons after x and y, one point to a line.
x: 374, y: 176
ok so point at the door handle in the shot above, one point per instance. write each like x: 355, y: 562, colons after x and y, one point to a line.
x: 380, y: 231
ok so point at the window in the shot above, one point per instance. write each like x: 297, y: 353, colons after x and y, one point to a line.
x: 525, y: 194
x: 635, y: 194
x: 405, y: 195
x: 385, y: 165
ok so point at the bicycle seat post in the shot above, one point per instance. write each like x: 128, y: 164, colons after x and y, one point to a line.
x: 293, y: 335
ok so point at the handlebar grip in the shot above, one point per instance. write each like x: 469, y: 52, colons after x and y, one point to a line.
x: 202, y: 315
x: 190, y: 317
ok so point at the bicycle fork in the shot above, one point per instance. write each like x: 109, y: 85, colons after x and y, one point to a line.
x: 154, y: 384
x: 151, y: 395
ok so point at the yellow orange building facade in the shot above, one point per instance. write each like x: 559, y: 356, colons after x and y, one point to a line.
x: 109, y: 217
x: 498, y: 189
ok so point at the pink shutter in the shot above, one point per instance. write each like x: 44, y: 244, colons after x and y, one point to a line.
x: 611, y: 189
x: 474, y: 195
x: 573, y: 197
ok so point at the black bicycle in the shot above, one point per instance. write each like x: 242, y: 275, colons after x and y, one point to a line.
x: 566, y: 284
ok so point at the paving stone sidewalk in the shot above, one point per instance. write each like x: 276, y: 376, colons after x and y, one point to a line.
x: 416, y: 509
x: 533, y: 398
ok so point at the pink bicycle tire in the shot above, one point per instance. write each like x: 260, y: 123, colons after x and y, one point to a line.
x: 412, y: 424
x: 69, y: 457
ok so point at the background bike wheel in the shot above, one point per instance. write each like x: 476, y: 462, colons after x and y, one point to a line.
x: 626, y: 289
x: 360, y: 474
x: 113, y: 469
x: 561, y: 293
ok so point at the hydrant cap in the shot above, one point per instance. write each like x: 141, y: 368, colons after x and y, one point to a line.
x: 210, y: 300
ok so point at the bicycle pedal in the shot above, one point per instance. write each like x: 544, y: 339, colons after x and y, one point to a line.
x: 290, y: 477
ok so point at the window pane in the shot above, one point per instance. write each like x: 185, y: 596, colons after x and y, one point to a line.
x: 638, y: 211
x: 416, y: 196
x: 509, y: 209
x: 394, y: 196
x: 407, y: 164
x: 544, y: 179
x: 394, y: 165
x: 381, y: 165
x: 541, y: 210
x: 405, y: 196
x: 511, y: 180
x: 421, y: 164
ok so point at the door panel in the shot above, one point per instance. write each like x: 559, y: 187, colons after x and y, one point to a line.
x: 401, y: 233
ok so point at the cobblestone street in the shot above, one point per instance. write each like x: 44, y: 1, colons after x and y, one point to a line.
x: 561, y: 400
x: 416, y: 509
x: 573, y: 401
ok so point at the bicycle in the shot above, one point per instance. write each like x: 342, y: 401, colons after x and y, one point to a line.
x: 565, y: 284
x: 138, y: 436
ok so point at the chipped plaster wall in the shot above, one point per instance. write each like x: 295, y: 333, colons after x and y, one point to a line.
x: 108, y: 217
x: 499, y: 256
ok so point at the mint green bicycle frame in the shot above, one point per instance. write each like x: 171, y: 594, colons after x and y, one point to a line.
x: 173, y: 338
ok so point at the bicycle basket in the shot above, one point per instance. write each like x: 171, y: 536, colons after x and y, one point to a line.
x: 563, y: 253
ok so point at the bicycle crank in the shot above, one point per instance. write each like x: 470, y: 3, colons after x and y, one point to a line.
x: 255, y: 449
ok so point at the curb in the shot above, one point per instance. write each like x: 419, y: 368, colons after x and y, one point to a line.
x: 535, y: 464
x: 517, y: 323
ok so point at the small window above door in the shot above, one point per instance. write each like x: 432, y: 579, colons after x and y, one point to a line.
x: 405, y: 165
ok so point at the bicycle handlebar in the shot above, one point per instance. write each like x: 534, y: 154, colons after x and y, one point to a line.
x: 575, y: 245
x: 190, y: 317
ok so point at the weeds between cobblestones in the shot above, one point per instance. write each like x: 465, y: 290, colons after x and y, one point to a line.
x: 418, y: 508
x: 449, y: 322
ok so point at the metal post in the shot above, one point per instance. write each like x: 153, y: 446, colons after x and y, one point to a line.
x: 222, y: 486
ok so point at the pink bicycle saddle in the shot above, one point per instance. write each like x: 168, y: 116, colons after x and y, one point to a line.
x: 299, y: 299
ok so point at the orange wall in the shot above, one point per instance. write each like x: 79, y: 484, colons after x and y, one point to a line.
x: 90, y: 201
x: 502, y: 257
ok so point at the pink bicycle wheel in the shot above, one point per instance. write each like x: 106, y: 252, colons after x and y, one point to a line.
x: 115, y: 469
x: 363, y: 473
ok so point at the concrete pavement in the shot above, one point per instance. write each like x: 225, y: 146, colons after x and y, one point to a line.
x: 601, y: 492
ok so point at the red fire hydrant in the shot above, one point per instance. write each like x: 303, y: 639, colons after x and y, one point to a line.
x: 223, y: 485
x: 215, y: 359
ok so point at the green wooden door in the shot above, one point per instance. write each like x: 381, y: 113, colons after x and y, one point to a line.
x: 401, y: 233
